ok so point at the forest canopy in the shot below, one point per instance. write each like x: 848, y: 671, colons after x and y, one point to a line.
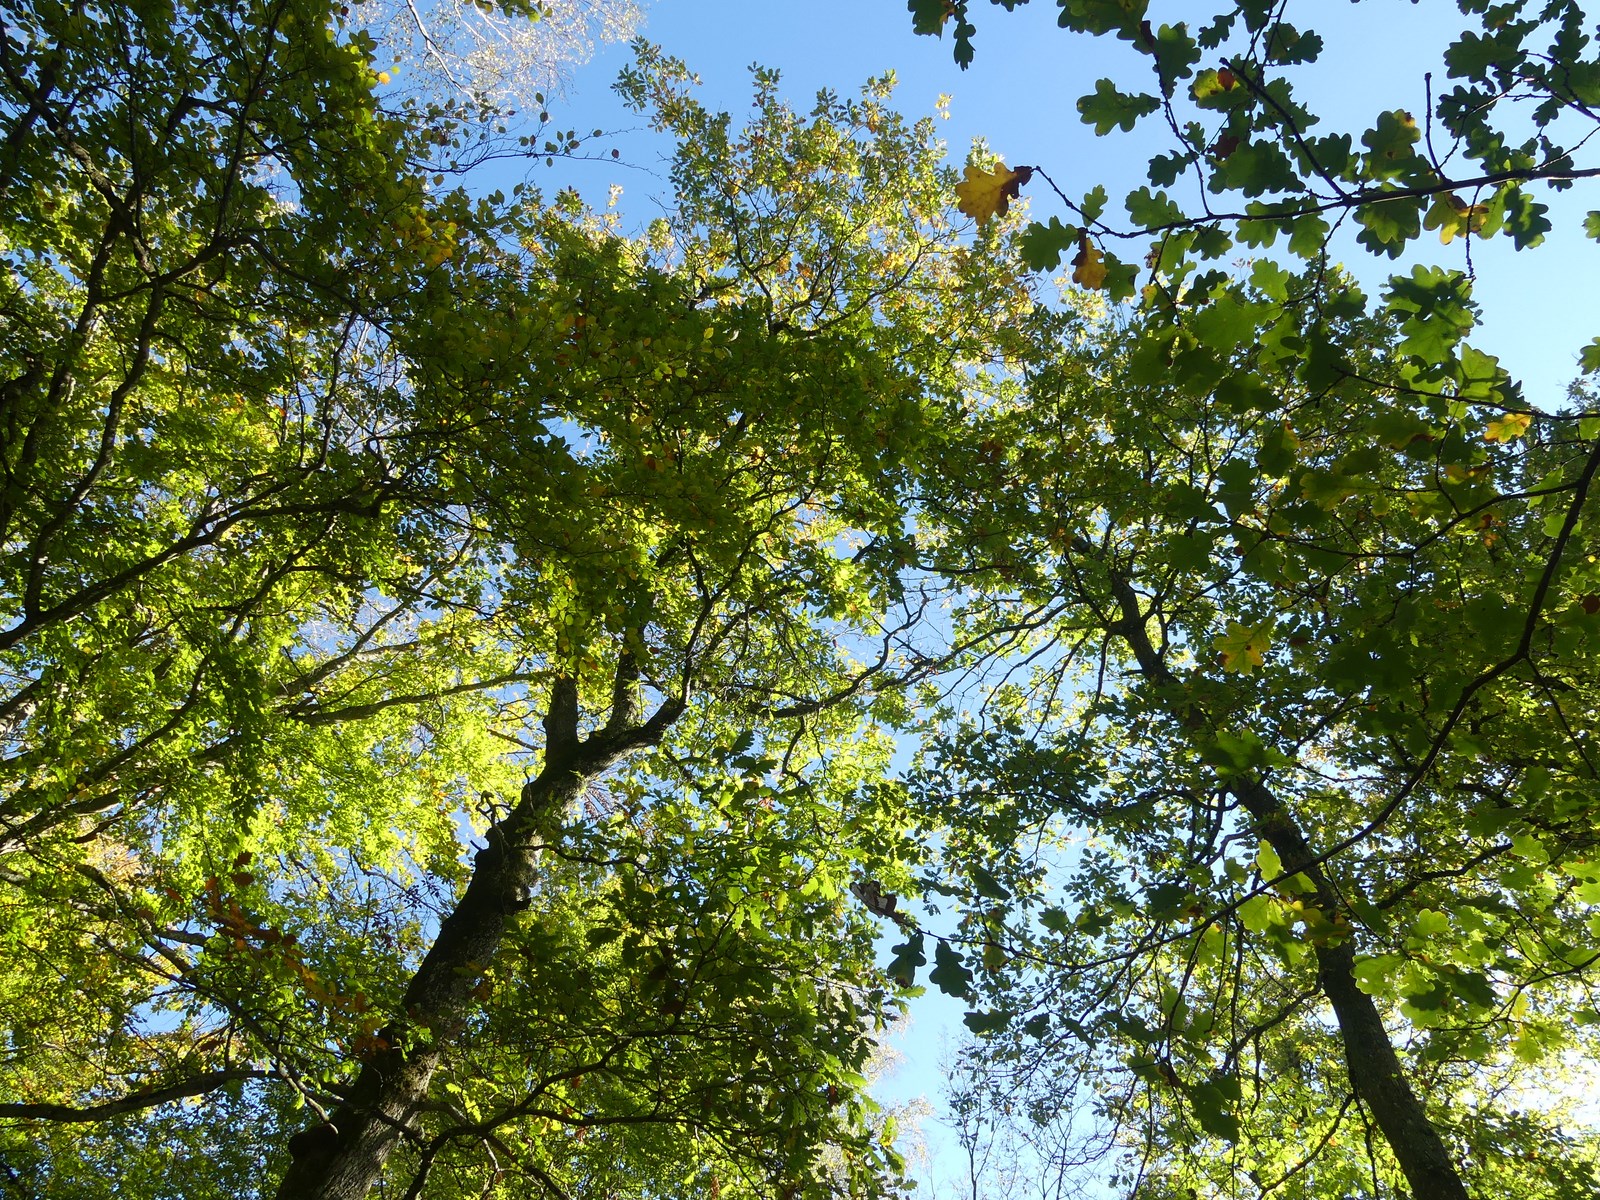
x: 495, y: 701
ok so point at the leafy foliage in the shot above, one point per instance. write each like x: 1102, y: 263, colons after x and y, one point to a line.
x: 1273, y: 793
x: 453, y: 651
x: 490, y: 57
x: 448, y: 644
x: 1285, y: 711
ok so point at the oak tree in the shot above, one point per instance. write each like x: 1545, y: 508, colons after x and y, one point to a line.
x: 1277, y: 848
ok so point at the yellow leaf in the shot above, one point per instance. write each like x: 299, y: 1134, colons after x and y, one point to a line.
x: 1452, y: 217
x: 1508, y: 428
x: 986, y: 194
x: 1243, y: 647
x: 1088, y: 265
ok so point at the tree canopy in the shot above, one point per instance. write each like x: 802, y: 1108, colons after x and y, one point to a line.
x: 445, y: 638
x: 1280, y: 843
x: 480, y: 680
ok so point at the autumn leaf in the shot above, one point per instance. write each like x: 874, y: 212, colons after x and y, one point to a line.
x: 1453, y: 217
x: 1508, y: 428
x: 1243, y: 647
x: 984, y: 194
x: 1088, y: 265
x: 1225, y: 145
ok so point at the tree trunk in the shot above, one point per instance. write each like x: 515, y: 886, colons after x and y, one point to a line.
x: 1370, y: 1058
x: 342, y: 1158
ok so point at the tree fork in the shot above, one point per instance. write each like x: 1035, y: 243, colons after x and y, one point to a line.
x: 342, y: 1158
x: 1370, y: 1058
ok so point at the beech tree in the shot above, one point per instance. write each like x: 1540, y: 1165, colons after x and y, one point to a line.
x: 448, y: 642
x: 1277, y: 849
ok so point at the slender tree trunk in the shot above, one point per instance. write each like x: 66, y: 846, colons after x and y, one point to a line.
x: 1369, y: 1055
x: 1370, y: 1058
x: 343, y: 1158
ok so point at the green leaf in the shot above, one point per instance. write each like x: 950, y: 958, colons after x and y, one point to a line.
x: 1241, y: 394
x: 1308, y: 235
x: 985, y: 884
x: 1107, y: 108
x: 1525, y: 218
x: 1094, y: 203
x: 1391, y: 145
x: 1258, y: 913
x: 1166, y: 900
x: 1042, y: 246
x: 1475, y: 988
x: 1243, y: 647
x: 1175, y: 53
x: 1278, y: 451
x: 1271, y: 279
x: 950, y: 975
x: 1055, y: 920
x: 1235, y: 751
x: 1376, y: 974
x: 1473, y: 56
x: 1101, y: 16
x: 1428, y: 995
x: 984, y: 1023
x: 1165, y: 168
x: 1151, y: 210
x: 1120, y: 277
x: 1267, y: 861
x: 1214, y: 1112
x: 1189, y: 552
x: 928, y: 16
x: 1227, y: 323
x: 1255, y: 168
x: 1387, y: 227
x: 1133, y: 1026
x: 907, y: 957
x: 1287, y: 45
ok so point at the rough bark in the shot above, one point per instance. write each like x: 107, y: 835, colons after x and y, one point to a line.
x: 343, y: 1158
x: 1370, y: 1058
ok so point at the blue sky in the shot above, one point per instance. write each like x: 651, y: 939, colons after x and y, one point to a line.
x: 1020, y: 96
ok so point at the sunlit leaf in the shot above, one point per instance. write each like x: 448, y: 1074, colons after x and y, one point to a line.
x: 1243, y: 647
x: 984, y: 195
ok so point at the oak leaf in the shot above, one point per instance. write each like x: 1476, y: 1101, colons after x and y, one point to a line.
x: 1453, y: 217
x: 983, y: 195
x: 929, y: 16
x: 1508, y: 427
x: 1088, y: 265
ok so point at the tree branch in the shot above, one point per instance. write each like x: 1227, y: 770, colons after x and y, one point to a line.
x: 63, y: 1114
